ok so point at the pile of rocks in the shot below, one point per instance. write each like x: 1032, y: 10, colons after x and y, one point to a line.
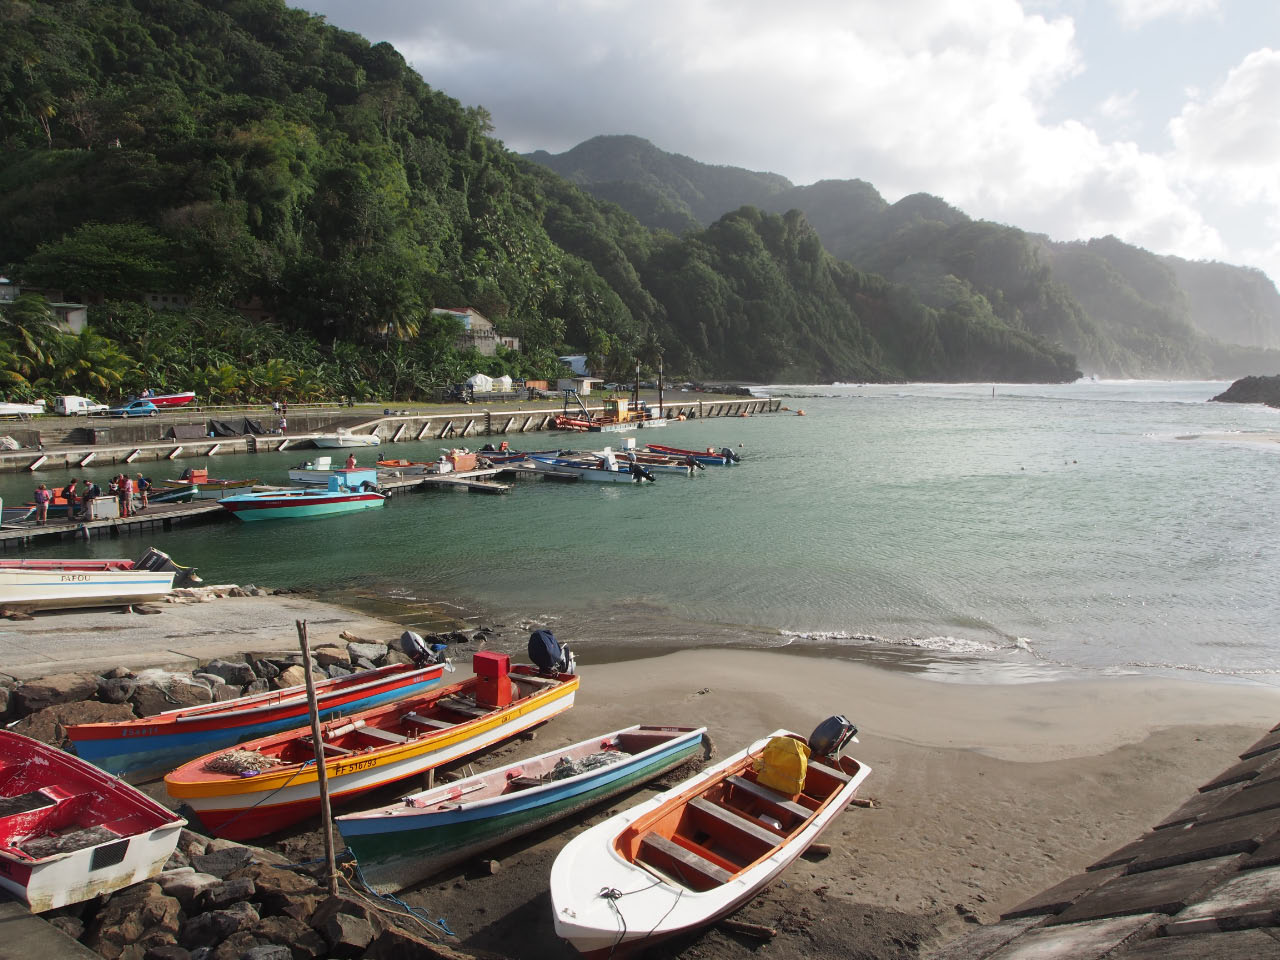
x: 218, y: 900
x: 46, y: 707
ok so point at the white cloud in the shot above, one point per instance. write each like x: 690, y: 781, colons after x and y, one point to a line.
x: 1137, y: 13
x: 915, y: 96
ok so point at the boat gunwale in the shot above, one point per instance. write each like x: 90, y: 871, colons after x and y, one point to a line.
x: 298, y: 773
x: 388, y: 811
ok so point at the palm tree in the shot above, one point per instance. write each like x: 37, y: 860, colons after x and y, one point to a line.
x: 29, y: 325
x: 91, y: 363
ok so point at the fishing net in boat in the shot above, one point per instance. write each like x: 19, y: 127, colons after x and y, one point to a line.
x: 238, y: 761
x: 566, y: 768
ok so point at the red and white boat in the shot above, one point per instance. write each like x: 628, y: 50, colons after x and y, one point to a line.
x: 28, y: 585
x: 172, y: 399
x: 694, y: 854
x: 69, y: 831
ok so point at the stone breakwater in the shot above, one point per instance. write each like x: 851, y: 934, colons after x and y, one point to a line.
x: 218, y: 900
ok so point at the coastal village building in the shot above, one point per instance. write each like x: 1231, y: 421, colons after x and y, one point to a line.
x: 478, y: 331
x: 68, y: 317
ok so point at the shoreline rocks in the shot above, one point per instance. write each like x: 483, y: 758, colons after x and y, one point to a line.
x: 1252, y: 390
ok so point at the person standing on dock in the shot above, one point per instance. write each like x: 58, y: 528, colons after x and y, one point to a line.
x: 91, y: 493
x: 284, y: 425
x: 71, y: 494
x: 351, y: 462
x: 43, y: 496
x: 144, y: 489
x: 124, y: 494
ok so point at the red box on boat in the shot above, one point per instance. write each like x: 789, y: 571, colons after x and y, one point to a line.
x: 489, y: 664
x: 493, y: 686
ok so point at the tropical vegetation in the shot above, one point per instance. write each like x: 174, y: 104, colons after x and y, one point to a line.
x: 310, y: 198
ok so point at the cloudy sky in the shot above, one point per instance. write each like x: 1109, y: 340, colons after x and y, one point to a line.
x: 1154, y: 120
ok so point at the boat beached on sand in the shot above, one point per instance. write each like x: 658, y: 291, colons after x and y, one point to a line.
x: 69, y: 831
x: 27, y: 585
x: 271, y: 782
x: 705, y: 847
x: 421, y: 834
x: 154, y: 745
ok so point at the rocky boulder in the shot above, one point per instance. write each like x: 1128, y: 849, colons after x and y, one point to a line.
x: 210, y: 929
x: 50, y: 724
x: 134, y: 920
x: 366, y: 651
x: 161, y: 690
x: 233, y: 673
x: 329, y: 654
x: 1252, y: 390
x: 60, y: 688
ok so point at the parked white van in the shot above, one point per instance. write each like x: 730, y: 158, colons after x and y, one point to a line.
x: 71, y: 406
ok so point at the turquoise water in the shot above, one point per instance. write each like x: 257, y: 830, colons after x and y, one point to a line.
x: 1096, y: 527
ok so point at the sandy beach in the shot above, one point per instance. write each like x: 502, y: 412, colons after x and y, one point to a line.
x: 985, y: 794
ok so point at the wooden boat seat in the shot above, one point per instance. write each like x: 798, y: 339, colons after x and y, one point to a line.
x: 68, y: 842
x: 387, y: 736
x: 534, y: 681
x: 25, y: 803
x: 464, y: 706
x: 328, y: 747
x: 736, y: 820
x: 427, y: 721
x: 779, y: 800
x: 685, y: 859
x: 829, y: 770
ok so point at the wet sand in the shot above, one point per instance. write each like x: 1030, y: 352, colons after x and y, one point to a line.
x: 985, y: 794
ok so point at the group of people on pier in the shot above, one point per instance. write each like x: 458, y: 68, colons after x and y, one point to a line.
x: 129, y: 493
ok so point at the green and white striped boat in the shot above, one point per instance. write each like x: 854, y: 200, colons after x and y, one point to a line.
x: 421, y: 834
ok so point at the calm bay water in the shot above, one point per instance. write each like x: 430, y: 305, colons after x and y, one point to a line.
x: 1042, y: 531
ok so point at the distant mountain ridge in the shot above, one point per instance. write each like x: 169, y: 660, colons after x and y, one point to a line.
x: 1122, y: 310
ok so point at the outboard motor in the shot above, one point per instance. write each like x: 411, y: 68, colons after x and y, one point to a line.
x: 729, y: 455
x: 832, y: 735
x: 548, y: 655
x: 413, y: 646
x: 641, y: 473
x: 155, y: 559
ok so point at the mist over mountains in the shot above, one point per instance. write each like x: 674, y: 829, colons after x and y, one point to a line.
x: 1123, y: 311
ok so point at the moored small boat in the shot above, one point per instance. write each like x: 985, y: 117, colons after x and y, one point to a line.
x: 200, y: 479
x: 709, y: 456
x: 155, y: 745
x: 698, y: 851
x: 602, y: 469
x: 348, y: 491
x: 28, y: 585
x: 421, y: 834
x: 69, y: 831
x: 180, y: 494
x: 345, y: 438
x: 271, y: 783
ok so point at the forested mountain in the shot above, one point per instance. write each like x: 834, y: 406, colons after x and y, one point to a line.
x: 1122, y: 310
x: 259, y: 162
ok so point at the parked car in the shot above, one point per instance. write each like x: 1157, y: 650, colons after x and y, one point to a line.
x: 134, y: 408
x: 71, y: 406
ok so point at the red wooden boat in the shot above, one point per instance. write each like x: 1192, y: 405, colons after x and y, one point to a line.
x: 69, y: 831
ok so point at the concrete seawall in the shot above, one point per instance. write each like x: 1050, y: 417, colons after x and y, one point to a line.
x: 178, y: 437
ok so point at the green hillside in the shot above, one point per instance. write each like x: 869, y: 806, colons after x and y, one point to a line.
x: 1121, y: 310
x: 312, y: 198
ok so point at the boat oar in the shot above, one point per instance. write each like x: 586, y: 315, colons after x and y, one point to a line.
x: 317, y: 741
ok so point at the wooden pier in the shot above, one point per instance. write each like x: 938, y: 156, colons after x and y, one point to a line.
x: 165, y: 516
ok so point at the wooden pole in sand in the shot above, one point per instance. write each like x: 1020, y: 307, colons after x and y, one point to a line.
x: 321, y: 773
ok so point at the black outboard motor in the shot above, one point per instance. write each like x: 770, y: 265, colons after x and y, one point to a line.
x: 641, y: 473
x: 548, y: 655
x: 158, y: 560
x: 832, y: 735
x: 729, y: 455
